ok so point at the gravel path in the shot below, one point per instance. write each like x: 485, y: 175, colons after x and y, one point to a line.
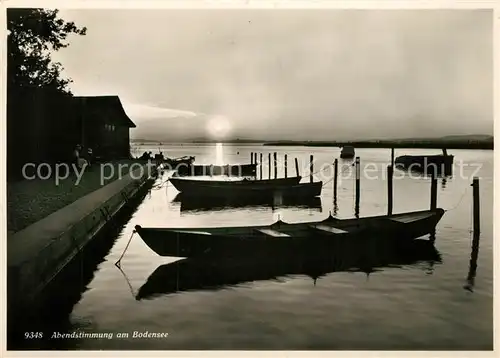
x: 31, y: 200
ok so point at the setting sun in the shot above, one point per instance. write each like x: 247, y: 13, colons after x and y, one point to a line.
x: 218, y: 126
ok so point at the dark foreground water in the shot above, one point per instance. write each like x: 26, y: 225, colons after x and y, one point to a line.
x: 421, y: 303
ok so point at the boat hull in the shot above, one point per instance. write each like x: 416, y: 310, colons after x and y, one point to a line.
x: 289, y: 187
x: 300, y: 237
x: 211, y: 170
x: 197, y: 203
x: 347, y: 152
x: 346, y: 156
x: 173, y: 164
x: 426, y: 164
x: 199, y: 274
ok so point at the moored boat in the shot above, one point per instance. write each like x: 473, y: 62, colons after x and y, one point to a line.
x: 347, y: 152
x: 210, y: 170
x: 247, y: 187
x: 283, y: 238
x: 426, y: 164
x: 173, y: 163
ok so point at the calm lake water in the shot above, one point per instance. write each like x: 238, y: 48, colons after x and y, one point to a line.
x: 419, y: 305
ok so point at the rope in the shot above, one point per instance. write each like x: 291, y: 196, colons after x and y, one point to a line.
x: 460, y: 201
x: 160, y: 185
x: 329, y: 180
x: 117, y: 263
x: 333, y: 177
x: 321, y: 170
x: 127, y: 280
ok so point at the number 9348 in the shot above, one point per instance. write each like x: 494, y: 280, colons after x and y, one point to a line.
x: 33, y: 335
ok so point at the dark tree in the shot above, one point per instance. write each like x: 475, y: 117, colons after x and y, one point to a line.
x: 33, y: 34
x: 38, y: 97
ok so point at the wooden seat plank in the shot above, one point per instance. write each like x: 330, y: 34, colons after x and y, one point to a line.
x: 410, y: 217
x: 328, y: 228
x: 271, y: 232
x: 192, y: 232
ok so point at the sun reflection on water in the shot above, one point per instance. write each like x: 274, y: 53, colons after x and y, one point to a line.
x: 219, y: 154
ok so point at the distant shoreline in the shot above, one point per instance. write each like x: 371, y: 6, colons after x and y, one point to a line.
x: 481, y: 144
x: 390, y: 144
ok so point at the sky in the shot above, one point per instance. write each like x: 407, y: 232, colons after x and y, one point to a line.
x: 325, y: 74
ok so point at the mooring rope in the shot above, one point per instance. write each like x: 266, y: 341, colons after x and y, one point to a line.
x: 321, y: 170
x: 127, y: 280
x: 117, y: 263
x: 329, y: 180
x: 160, y: 185
x: 333, y: 177
x: 460, y: 201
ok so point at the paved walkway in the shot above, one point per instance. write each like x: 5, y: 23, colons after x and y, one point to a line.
x: 27, y: 243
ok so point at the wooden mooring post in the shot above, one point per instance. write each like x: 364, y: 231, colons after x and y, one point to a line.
x: 390, y: 172
x: 297, y: 167
x: 269, y: 165
x: 476, y: 235
x: 285, y: 166
x: 433, y: 201
x: 251, y: 158
x: 275, y: 165
x: 256, y: 163
x: 260, y: 166
x: 311, y: 168
x: 433, y: 191
x: 358, y: 185
x: 335, y: 176
x: 475, y: 195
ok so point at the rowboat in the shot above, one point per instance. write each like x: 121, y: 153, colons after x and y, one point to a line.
x: 198, y: 274
x: 174, y: 163
x: 247, y: 187
x: 232, y: 170
x: 427, y: 164
x: 282, y: 239
x: 194, y: 203
x: 347, y: 152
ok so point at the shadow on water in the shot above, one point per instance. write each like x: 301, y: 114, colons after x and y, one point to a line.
x: 52, y: 310
x: 335, y: 208
x: 471, y: 275
x: 198, y: 274
x: 188, y: 203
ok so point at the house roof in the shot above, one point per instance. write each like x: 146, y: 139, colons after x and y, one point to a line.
x: 109, y: 107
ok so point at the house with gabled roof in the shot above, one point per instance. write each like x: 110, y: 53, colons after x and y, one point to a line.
x: 103, y: 126
x: 47, y: 128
